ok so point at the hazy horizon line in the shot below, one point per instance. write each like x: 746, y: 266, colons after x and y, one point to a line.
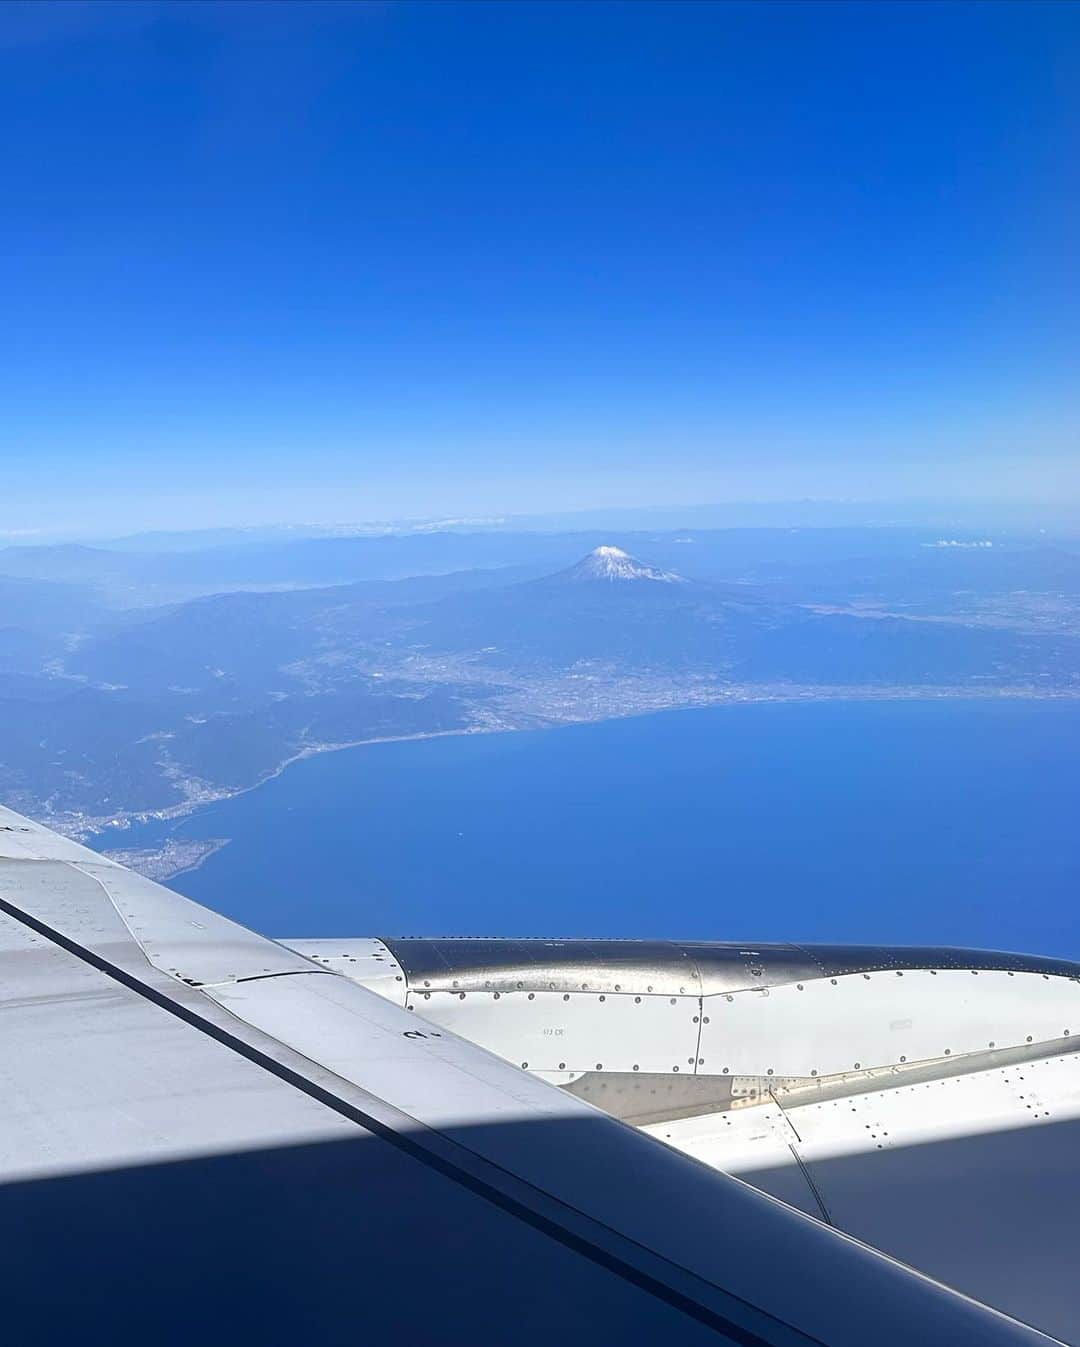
x: 911, y: 511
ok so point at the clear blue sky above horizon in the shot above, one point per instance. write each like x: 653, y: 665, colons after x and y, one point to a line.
x: 323, y: 262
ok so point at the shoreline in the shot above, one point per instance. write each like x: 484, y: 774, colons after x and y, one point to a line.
x: 173, y: 858
x: 117, y: 826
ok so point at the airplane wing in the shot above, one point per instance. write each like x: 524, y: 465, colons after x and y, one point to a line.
x: 206, y: 1134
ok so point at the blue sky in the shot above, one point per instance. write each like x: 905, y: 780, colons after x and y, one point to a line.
x: 337, y: 262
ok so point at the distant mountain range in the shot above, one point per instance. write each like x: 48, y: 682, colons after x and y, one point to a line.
x: 124, y: 576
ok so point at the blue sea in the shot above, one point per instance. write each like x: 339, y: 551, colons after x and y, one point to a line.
x: 922, y: 821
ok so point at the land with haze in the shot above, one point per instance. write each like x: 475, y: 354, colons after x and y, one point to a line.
x: 144, y: 677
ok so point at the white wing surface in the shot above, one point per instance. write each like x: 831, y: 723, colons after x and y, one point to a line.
x: 204, y: 1134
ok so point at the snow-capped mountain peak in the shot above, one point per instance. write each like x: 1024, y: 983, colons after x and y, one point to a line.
x: 612, y: 563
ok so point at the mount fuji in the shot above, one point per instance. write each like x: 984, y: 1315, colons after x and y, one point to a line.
x: 608, y: 607
x: 611, y: 609
x: 612, y: 565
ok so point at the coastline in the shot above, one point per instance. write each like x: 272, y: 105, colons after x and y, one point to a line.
x: 757, y: 823
x: 175, y: 856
